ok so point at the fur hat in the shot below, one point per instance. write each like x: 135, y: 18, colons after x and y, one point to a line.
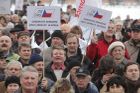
x: 12, y: 79
x: 58, y: 33
x: 115, y: 44
x: 35, y: 58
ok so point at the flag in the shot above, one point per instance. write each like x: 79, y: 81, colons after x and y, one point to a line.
x: 98, y: 16
x: 46, y: 14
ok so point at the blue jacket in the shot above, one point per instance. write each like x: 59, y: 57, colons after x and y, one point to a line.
x: 91, y: 88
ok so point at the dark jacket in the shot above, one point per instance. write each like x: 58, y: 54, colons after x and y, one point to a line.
x: 86, y: 61
x: 91, y: 88
x: 131, y: 85
x: 39, y: 90
x: 49, y: 73
x: 97, y: 77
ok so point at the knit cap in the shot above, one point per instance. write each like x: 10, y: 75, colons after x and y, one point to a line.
x: 58, y: 33
x: 115, y: 44
x: 35, y: 58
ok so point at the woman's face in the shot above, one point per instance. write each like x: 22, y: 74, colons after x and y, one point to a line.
x: 116, y: 89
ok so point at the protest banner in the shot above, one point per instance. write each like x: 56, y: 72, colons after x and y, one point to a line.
x: 95, y: 18
x: 81, y: 3
x: 5, y: 6
x: 43, y: 18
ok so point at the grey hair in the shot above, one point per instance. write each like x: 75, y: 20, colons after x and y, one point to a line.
x: 29, y: 69
x: 13, y: 62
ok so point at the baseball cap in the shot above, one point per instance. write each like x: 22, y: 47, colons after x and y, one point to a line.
x: 82, y: 72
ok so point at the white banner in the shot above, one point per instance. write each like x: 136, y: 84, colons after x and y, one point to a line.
x: 19, y: 5
x: 5, y: 6
x: 81, y: 3
x: 43, y: 18
x: 95, y: 18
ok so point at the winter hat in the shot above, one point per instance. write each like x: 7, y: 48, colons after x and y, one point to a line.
x: 18, y: 28
x: 115, y: 44
x: 35, y: 58
x: 72, y: 62
x: 58, y: 33
x: 12, y: 79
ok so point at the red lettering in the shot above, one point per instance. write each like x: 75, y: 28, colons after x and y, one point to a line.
x: 78, y: 12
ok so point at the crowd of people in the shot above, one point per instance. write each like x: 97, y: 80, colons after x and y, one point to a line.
x: 109, y: 64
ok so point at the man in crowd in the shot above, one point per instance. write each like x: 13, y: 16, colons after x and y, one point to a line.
x: 133, y: 45
x: 5, y: 46
x: 24, y: 51
x: 29, y: 81
x: 83, y: 84
x: 57, y: 39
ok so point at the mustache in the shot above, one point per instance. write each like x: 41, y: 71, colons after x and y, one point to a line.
x: 3, y: 45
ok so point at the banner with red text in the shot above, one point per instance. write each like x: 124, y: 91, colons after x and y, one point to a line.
x: 80, y: 4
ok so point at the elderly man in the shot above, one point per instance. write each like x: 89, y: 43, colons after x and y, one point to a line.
x: 133, y: 45
x: 29, y: 81
x: 56, y: 69
x: 83, y: 84
x: 13, y: 68
x: 5, y: 46
x: 117, y: 51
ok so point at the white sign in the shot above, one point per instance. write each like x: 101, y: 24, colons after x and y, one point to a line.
x: 19, y: 5
x: 81, y: 3
x: 95, y: 18
x: 43, y: 18
x: 5, y: 6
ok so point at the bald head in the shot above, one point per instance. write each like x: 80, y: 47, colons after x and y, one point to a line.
x: 5, y: 43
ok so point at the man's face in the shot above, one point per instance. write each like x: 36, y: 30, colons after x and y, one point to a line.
x: 132, y: 72
x: 56, y: 41
x: 58, y: 56
x: 116, y: 89
x: 118, y: 53
x: 111, y: 30
x: 13, y: 70
x: 5, y: 43
x: 25, y: 52
x: 72, y: 45
x: 24, y: 39
x: 135, y: 35
x: 39, y: 66
x: 82, y: 82
x: 29, y: 80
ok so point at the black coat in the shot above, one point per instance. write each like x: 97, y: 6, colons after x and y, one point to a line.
x: 49, y: 73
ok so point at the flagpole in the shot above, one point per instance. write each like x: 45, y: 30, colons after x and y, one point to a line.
x: 44, y: 46
x: 44, y: 52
